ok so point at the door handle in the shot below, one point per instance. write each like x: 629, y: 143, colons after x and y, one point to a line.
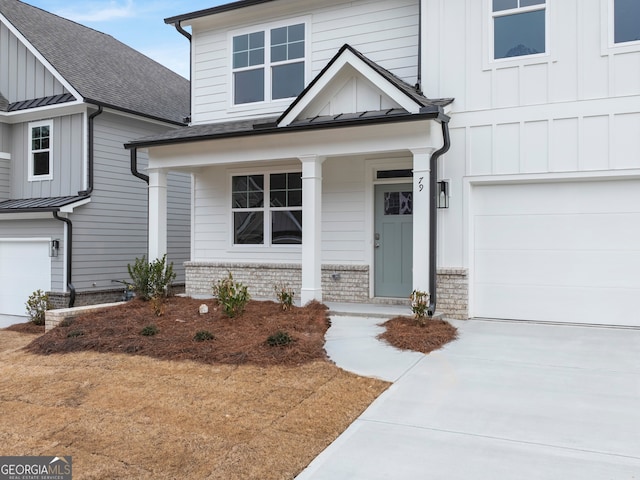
x: 377, y: 245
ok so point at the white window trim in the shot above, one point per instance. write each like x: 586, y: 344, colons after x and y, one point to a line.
x: 609, y: 46
x: 266, y: 209
x: 31, y: 126
x: 266, y: 28
x: 491, y: 63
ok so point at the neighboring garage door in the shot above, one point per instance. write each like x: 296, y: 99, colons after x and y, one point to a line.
x: 25, y: 267
x: 562, y: 252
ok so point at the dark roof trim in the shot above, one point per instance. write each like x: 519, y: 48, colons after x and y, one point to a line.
x: 30, y: 205
x: 41, y: 102
x: 227, y: 7
x: 395, y: 81
x: 430, y: 113
x: 98, y: 103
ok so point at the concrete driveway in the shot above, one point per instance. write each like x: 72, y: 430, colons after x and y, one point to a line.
x: 508, y: 400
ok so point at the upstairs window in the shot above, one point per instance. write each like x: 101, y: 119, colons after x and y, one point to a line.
x: 519, y: 28
x: 269, y: 64
x: 40, y: 156
x: 278, y: 220
x: 626, y: 21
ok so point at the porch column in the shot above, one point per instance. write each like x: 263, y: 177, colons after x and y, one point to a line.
x: 421, y: 214
x: 311, y: 228
x: 157, y: 214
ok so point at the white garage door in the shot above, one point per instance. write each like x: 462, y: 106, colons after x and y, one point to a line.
x: 562, y: 252
x: 25, y: 267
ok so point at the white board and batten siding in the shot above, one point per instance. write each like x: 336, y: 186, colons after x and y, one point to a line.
x: 384, y: 31
x: 540, y: 213
x: 22, y: 75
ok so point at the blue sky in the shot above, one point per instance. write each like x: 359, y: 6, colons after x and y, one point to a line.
x: 138, y: 23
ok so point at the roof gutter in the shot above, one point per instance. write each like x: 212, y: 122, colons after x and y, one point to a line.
x: 69, y: 258
x: 433, y: 214
x: 90, y: 155
x: 426, y: 113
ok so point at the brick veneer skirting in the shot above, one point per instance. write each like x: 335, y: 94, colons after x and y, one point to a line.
x: 340, y: 283
x: 453, y: 292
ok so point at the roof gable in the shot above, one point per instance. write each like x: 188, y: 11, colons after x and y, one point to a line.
x: 99, y: 67
x: 349, y: 84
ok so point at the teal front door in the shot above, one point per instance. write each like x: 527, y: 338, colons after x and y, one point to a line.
x: 393, y: 240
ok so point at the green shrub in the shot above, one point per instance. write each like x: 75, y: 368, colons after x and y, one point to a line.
x: 75, y: 333
x: 151, y: 279
x: 419, y: 305
x: 285, y: 295
x: 203, y: 335
x: 232, y: 295
x: 37, y: 305
x: 279, y: 339
x: 149, y: 331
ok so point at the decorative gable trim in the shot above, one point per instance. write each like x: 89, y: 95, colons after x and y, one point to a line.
x: 347, y: 57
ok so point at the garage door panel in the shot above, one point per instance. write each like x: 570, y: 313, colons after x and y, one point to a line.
x: 25, y: 267
x: 561, y: 198
x: 579, y: 305
x: 557, y: 251
x: 619, y: 231
x: 610, y: 269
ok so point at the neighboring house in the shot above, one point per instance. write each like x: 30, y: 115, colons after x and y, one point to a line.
x: 317, y: 129
x: 72, y: 215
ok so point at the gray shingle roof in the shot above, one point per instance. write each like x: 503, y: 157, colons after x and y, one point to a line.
x: 4, y: 103
x: 102, y: 69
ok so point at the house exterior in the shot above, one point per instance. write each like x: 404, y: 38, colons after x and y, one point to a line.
x: 323, y: 136
x: 72, y: 215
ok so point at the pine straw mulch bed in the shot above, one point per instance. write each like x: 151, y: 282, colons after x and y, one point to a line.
x: 410, y: 334
x: 239, y: 340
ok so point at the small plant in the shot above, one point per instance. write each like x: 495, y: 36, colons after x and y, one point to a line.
x: 149, y: 331
x: 203, y: 336
x: 419, y: 305
x: 75, y: 333
x: 151, y: 279
x: 232, y: 295
x: 37, y: 305
x: 279, y: 339
x: 285, y: 295
x: 157, y: 304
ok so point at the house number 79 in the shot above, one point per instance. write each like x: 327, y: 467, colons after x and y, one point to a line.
x: 420, y: 185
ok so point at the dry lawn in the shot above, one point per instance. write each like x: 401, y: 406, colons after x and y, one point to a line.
x: 136, y: 417
x: 130, y: 406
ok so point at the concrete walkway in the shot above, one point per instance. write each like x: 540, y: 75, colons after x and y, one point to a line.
x: 508, y: 400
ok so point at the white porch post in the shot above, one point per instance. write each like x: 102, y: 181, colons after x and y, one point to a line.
x: 421, y: 214
x: 157, y: 214
x: 311, y: 228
